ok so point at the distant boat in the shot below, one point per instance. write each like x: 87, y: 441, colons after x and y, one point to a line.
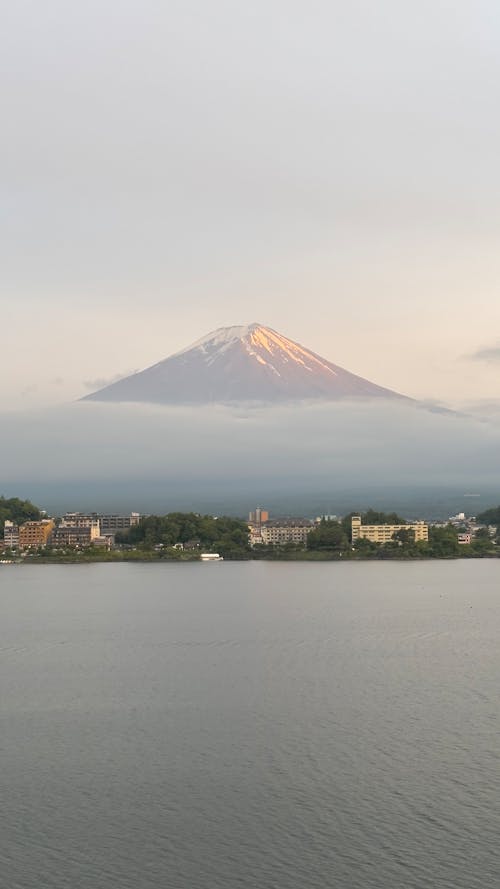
x: 211, y: 557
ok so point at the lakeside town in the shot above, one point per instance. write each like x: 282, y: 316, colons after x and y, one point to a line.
x: 30, y: 534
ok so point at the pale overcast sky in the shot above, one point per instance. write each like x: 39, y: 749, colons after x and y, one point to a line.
x: 327, y: 168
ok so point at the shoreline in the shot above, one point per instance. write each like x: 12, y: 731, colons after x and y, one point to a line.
x: 93, y: 560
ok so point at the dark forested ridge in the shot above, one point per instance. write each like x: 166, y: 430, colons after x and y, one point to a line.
x: 16, y: 510
x: 490, y: 516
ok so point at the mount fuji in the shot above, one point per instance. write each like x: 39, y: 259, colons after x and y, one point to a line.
x: 250, y: 363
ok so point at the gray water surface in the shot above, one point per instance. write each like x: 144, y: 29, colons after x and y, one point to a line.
x: 257, y: 725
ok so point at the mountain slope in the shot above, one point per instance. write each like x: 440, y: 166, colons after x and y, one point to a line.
x: 237, y: 364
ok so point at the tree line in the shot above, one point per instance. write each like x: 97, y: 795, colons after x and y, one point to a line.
x: 490, y: 516
x: 18, y: 511
x: 222, y: 534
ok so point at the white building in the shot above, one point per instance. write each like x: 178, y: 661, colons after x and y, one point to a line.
x: 284, y: 531
x: 10, y: 535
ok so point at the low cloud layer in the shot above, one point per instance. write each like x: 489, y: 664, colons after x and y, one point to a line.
x: 100, y: 382
x: 491, y: 353
x: 216, y: 452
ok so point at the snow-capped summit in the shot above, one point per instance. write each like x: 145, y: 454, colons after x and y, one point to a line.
x: 221, y: 338
x: 240, y: 364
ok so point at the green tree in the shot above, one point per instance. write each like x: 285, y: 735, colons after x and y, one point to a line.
x: 443, y: 541
x: 223, y: 534
x: 365, y: 547
x: 15, y: 510
x: 405, y: 536
x: 490, y: 516
x: 328, y: 535
x: 482, y: 543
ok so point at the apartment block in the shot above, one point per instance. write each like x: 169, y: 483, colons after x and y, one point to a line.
x: 10, y: 535
x: 108, y: 524
x: 385, y: 533
x: 33, y: 534
x: 285, y: 531
x: 258, y: 516
x: 78, y: 520
x: 72, y: 535
x: 111, y: 524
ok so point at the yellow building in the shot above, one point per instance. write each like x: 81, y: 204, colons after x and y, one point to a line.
x: 385, y: 533
x: 35, y: 533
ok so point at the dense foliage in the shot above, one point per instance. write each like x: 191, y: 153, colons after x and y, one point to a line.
x: 490, y: 516
x: 328, y: 535
x: 224, y: 535
x: 332, y: 538
x: 442, y: 544
x: 16, y: 510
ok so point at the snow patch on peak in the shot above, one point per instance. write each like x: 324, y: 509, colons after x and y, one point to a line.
x: 262, y: 344
x: 220, y: 338
x: 278, y: 346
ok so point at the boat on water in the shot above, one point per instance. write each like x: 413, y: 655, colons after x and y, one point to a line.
x: 211, y: 557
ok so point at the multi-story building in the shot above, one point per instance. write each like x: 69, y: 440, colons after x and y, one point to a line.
x: 256, y: 519
x: 10, y: 535
x: 111, y: 524
x: 107, y: 524
x: 385, y: 533
x: 254, y: 534
x: 76, y: 535
x: 78, y: 520
x: 33, y: 534
x: 258, y: 516
x: 284, y: 531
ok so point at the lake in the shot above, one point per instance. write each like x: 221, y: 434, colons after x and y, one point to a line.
x: 250, y: 725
